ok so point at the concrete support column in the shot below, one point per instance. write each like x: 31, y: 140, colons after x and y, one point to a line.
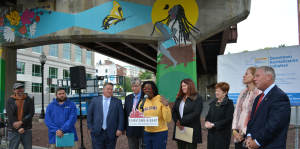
x: 8, y: 74
x: 170, y: 76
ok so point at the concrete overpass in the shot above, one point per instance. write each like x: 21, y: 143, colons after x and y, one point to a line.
x: 91, y: 25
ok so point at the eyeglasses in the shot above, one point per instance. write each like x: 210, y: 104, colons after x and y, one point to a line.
x: 149, y: 89
x: 135, y: 86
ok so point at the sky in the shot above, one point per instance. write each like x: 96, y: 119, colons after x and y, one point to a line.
x: 269, y: 24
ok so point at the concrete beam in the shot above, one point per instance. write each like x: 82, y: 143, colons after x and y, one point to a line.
x: 115, y: 50
x: 139, y: 51
x: 224, y: 40
x: 202, y: 57
x: 154, y: 47
x: 122, y: 60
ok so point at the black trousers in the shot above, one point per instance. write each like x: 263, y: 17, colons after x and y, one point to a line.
x: 239, y: 145
x: 186, y: 145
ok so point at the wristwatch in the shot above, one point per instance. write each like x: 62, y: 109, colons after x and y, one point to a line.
x: 242, y: 133
x: 212, y: 125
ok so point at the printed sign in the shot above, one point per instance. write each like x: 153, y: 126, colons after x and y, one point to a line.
x: 136, y: 118
x: 285, y: 61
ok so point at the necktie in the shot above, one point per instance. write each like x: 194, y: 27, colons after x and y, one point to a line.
x: 135, y: 101
x: 259, y: 101
x: 105, y: 110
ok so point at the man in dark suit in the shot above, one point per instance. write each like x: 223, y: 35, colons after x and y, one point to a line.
x: 133, y: 133
x: 105, y: 119
x: 270, y: 114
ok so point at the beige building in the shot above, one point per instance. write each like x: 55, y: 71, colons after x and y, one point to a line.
x: 60, y: 57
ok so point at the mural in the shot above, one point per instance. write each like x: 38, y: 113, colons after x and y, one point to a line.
x: 177, y: 59
x: 37, y: 21
x: 21, y: 25
x: 115, y: 16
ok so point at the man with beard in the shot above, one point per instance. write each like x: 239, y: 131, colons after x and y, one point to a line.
x: 20, y: 110
x: 60, y: 118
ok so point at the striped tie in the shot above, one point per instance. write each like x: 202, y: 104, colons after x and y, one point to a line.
x: 135, y: 101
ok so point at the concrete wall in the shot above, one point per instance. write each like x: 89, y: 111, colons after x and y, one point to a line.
x: 214, y: 16
x: 207, y: 81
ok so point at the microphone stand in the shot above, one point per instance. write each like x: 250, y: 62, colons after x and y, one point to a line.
x: 143, y: 145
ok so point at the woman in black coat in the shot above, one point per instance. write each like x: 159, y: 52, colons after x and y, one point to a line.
x: 219, y: 119
x: 186, y: 113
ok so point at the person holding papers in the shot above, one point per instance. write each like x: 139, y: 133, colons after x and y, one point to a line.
x: 60, y: 118
x: 186, y: 113
x: 155, y: 106
x: 243, y: 108
x: 219, y: 119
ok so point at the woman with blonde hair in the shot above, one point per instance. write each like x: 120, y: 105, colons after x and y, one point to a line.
x: 243, y: 108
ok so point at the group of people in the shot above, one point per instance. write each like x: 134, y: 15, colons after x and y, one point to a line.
x: 260, y: 119
x: 261, y: 116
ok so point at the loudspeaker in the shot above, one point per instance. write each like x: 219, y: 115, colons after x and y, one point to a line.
x: 78, y: 77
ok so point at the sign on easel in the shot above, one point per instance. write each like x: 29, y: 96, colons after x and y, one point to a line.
x: 136, y: 118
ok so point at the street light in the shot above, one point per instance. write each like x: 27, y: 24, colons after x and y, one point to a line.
x: 43, y: 60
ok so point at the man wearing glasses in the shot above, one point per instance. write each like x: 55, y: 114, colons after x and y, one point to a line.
x: 133, y: 133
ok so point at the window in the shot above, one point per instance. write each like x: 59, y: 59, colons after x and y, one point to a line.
x: 53, y: 88
x: 67, y: 51
x: 88, y: 60
x: 66, y: 74
x: 52, y: 72
x: 53, y: 50
x: 118, y: 67
x: 38, y: 49
x: 88, y: 75
x: 105, y: 70
x: 67, y: 89
x: 36, y: 87
x: 78, y: 53
x: 96, y: 70
x: 36, y: 70
x: 20, y: 68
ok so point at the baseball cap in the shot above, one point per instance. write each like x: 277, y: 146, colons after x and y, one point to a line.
x: 16, y: 85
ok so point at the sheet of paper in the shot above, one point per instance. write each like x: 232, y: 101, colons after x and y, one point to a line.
x: 187, y: 135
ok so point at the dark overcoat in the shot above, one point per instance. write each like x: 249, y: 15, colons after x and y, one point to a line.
x: 220, y: 135
x: 191, y: 116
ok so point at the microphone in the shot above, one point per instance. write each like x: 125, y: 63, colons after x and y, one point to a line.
x: 143, y: 102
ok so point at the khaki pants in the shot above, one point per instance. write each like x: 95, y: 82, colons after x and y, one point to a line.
x: 53, y: 146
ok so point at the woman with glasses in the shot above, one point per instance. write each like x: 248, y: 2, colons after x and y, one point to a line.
x: 155, y: 106
x: 186, y: 113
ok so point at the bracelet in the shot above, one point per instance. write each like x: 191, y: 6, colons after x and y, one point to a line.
x: 234, y: 132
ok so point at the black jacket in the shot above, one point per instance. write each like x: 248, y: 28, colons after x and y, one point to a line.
x: 12, y: 111
x: 135, y: 130
x: 191, y: 116
x: 220, y: 135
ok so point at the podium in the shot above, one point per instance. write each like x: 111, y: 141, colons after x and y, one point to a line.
x: 137, y: 118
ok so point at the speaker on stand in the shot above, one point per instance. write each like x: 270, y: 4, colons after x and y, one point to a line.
x: 78, y: 82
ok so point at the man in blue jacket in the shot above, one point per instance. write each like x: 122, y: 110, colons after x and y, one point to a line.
x: 60, y: 118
